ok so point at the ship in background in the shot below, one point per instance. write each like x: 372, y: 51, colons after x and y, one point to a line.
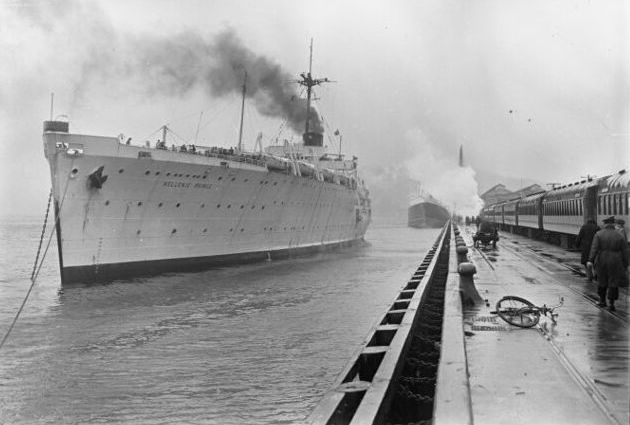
x: 123, y: 210
x: 426, y: 211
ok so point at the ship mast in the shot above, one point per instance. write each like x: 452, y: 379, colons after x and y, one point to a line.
x: 240, y: 131
x: 309, y: 82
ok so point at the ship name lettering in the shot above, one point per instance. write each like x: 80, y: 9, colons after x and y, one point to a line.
x: 202, y: 185
x: 176, y: 184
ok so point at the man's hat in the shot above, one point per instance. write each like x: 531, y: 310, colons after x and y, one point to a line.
x: 609, y: 220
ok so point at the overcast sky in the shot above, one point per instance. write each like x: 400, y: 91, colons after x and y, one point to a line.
x: 533, y: 90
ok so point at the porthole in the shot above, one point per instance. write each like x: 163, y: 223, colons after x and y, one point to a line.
x: 157, y: 173
x: 203, y: 205
x: 242, y: 229
x: 160, y: 204
x: 139, y: 203
x: 173, y: 231
x: 233, y: 178
x: 220, y: 178
x: 229, y: 206
x: 137, y: 232
x: 74, y: 171
x: 231, y: 230
x: 242, y: 206
x: 204, y: 177
x: 168, y: 174
x: 218, y: 205
x: 120, y: 171
x: 106, y: 202
x: 187, y: 175
x: 246, y: 180
x: 275, y: 183
x: 253, y: 206
x: 262, y: 208
x: 177, y: 205
x: 146, y: 173
x: 205, y: 230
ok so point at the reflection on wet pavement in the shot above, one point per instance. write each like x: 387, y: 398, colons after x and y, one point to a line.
x: 592, y: 343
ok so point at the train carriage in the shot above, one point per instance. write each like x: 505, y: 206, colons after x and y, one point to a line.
x: 558, y: 214
x: 613, y: 197
x: 529, y: 209
x: 510, y: 218
x: 498, y: 215
x: 487, y: 213
x: 565, y: 209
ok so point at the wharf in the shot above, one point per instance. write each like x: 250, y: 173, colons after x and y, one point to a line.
x: 573, y: 372
x: 439, y: 356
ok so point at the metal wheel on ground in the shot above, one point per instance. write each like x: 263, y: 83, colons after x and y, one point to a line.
x: 518, y: 311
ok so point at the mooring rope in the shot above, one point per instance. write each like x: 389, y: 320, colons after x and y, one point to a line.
x: 36, y: 267
x: 33, y: 278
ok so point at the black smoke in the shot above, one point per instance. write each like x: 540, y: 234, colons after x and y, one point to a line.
x: 188, y: 61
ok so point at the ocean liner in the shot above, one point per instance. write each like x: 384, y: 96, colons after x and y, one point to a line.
x: 123, y: 210
x: 426, y: 211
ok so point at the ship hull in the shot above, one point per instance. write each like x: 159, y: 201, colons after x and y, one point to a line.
x: 427, y: 215
x: 109, y: 272
x: 124, y: 211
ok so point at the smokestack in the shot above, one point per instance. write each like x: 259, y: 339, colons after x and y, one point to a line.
x: 461, y: 155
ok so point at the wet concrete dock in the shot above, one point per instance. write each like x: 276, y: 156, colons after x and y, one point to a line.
x: 575, y: 371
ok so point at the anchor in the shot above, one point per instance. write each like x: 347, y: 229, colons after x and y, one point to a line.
x: 96, y: 179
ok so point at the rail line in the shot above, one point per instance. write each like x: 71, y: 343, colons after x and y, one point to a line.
x: 584, y: 294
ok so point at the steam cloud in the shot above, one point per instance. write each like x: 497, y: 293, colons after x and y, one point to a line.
x: 442, y: 177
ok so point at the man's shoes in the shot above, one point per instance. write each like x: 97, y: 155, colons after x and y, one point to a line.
x: 602, y: 303
x: 612, y: 307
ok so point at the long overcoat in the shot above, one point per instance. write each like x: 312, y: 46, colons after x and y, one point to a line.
x: 609, y: 252
x: 585, y: 238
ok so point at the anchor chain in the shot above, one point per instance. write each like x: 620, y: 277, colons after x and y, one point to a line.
x: 41, y: 238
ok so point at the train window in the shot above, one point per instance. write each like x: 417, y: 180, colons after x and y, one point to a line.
x: 608, y: 204
x: 627, y: 202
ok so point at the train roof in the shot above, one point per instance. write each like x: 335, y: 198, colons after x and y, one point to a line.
x: 572, y: 188
x: 616, y: 182
x: 533, y: 196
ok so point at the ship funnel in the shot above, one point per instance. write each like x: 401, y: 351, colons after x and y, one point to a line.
x: 60, y: 126
x: 313, y: 139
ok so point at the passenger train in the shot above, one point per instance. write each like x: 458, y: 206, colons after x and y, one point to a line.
x: 556, y: 215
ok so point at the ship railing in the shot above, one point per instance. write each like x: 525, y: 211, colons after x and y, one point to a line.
x: 213, y: 152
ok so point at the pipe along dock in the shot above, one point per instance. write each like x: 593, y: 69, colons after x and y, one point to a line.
x: 438, y: 355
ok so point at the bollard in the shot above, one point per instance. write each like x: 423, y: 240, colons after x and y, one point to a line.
x: 469, y: 293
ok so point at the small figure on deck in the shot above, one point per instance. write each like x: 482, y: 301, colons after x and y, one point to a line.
x: 609, y: 252
x: 477, y: 221
x: 583, y: 241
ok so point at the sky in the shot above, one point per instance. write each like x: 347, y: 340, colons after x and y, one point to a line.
x: 534, y: 90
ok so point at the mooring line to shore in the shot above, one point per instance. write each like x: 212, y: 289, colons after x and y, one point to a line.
x: 37, y: 268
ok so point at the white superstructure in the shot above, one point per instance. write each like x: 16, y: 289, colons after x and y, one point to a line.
x: 124, y: 210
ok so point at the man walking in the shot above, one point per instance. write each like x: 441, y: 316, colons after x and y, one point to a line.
x: 610, y: 253
x: 583, y: 241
